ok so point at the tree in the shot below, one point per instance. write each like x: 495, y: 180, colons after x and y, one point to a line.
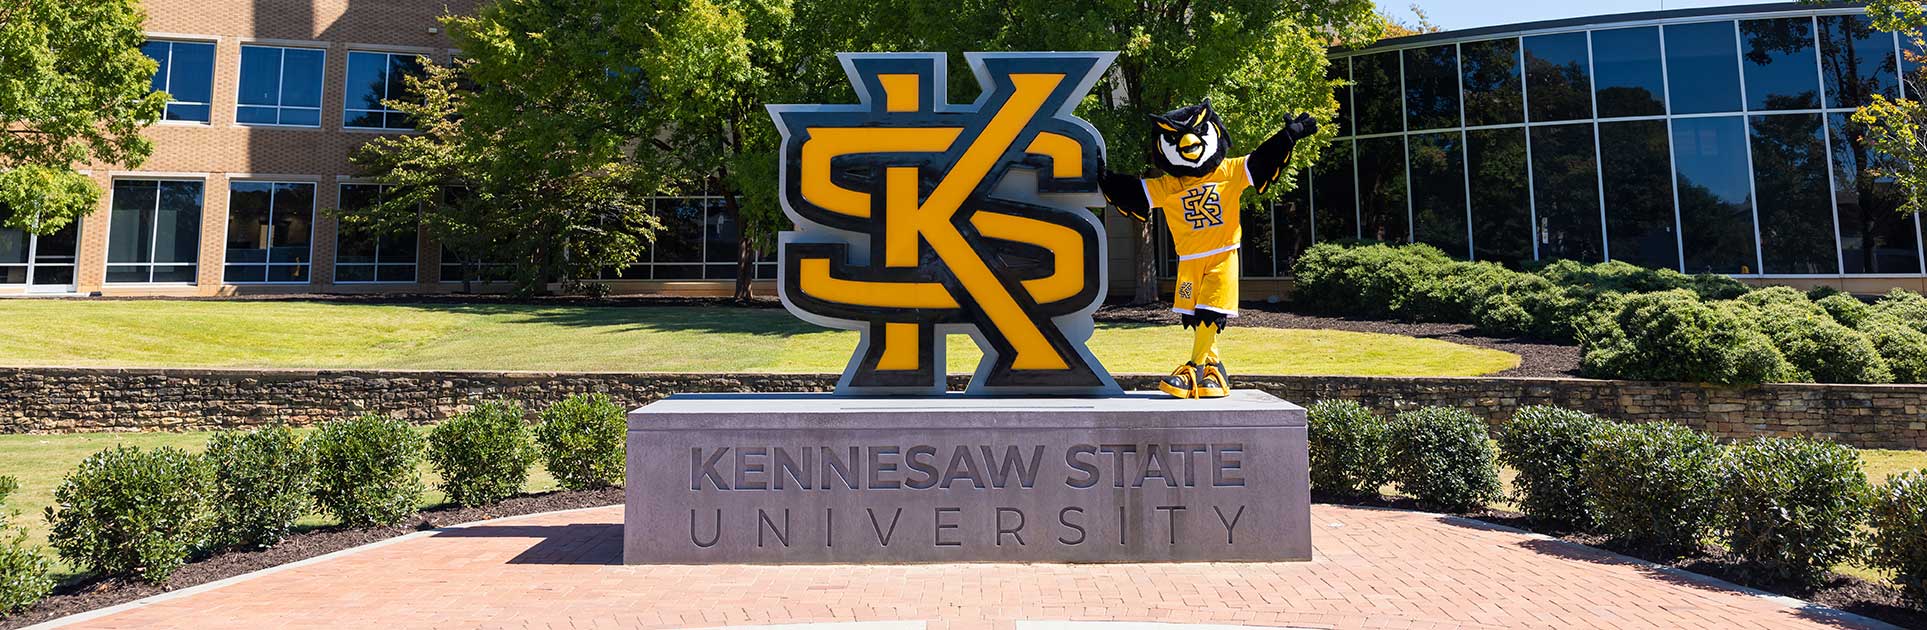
x: 1894, y: 126
x: 1258, y: 61
x: 550, y: 130
x: 74, y: 89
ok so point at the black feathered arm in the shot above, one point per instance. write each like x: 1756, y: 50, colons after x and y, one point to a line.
x: 1127, y: 193
x: 1269, y: 159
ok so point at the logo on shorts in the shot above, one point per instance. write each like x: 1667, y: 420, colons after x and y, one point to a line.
x: 917, y: 219
x: 1184, y: 290
x: 1201, y: 207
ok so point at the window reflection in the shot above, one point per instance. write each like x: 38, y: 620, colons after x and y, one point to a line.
x: 1565, y: 184
x: 1492, y: 82
x: 1291, y: 218
x: 1875, y: 238
x: 1856, y: 60
x: 1376, y: 93
x: 1334, y: 201
x: 1627, y: 73
x: 1501, y: 204
x: 1638, y: 193
x: 1702, y: 68
x: 1381, y: 189
x: 1438, y: 192
x: 1339, y: 73
x: 1432, y: 87
x: 1558, y: 83
x: 1715, y: 195
x: 1790, y: 176
x: 1781, y: 69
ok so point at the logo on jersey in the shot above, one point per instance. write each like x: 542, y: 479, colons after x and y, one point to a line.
x: 917, y: 219
x: 1201, y: 207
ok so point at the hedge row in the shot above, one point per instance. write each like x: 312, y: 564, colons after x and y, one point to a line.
x: 1790, y: 509
x: 1631, y: 322
x: 133, y: 513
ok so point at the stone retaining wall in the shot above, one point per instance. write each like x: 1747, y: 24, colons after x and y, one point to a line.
x: 58, y: 400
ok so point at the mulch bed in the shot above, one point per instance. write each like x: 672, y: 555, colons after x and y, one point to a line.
x: 1877, y: 600
x: 1536, y: 358
x: 84, y: 594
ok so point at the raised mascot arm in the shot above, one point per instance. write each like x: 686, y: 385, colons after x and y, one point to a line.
x: 1269, y: 159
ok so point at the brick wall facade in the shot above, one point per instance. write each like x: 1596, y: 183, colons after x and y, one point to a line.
x: 59, y: 400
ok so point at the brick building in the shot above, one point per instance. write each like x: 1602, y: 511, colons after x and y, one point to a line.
x: 271, y: 96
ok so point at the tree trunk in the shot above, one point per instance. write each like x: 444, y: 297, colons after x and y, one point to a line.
x: 1146, y: 265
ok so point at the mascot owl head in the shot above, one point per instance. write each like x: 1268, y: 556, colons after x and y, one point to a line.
x: 1191, y: 140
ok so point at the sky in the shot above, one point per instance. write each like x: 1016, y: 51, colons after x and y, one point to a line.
x: 1453, y: 15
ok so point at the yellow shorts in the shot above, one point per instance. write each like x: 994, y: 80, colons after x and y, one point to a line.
x: 1209, y: 283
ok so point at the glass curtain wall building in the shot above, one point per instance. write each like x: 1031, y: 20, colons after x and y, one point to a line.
x: 1710, y: 140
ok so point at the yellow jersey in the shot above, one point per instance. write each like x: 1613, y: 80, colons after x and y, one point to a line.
x: 1202, y: 212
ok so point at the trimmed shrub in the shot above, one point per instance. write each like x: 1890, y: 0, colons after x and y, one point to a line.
x: 1900, y: 345
x: 1904, y: 306
x: 482, y: 455
x: 1653, y: 484
x: 1442, y: 457
x: 1791, y: 507
x: 1349, y: 447
x: 1623, y: 277
x: 1848, y: 310
x: 25, y: 575
x: 580, y: 441
x: 127, y: 512
x: 263, y: 483
x: 1546, y: 445
x: 367, y: 470
x: 1787, y: 297
x: 1370, y: 280
x: 1673, y: 336
x: 1820, y: 349
x: 1899, y: 541
x: 1822, y: 292
x: 1456, y: 291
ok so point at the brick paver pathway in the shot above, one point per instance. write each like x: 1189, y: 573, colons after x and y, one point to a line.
x: 1374, y: 569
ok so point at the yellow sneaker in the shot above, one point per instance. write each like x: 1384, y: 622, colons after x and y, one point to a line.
x: 1182, y: 383
x: 1212, y: 382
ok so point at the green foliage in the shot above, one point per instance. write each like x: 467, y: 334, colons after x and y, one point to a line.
x: 126, y: 512
x: 1653, y: 484
x: 77, y: 91
x: 1349, y: 449
x: 1371, y: 280
x: 1899, y: 540
x: 1820, y: 349
x: 1846, y: 309
x: 1623, y: 277
x: 1443, y: 458
x: 1547, y: 446
x: 25, y: 575
x: 263, y: 483
x: 1787, y: 299
x: 482, y: 455
x: 1897, y: 145
x: 580, y: 441
x: 1901, y: 346
x: 1791, y: 507
x: 1903, y: 306
x: 366, y: 470
x: 1673, y: 336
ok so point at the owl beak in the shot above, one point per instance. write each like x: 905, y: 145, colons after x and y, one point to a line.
x: 1190, y: 146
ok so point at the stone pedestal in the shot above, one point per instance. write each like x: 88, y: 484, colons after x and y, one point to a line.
x: 814, y: 478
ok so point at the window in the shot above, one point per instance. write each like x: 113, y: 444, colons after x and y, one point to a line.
x: 186, y: 74
x: 1334, y: 201
x: 270, y: 226
x: 1703, y: 68
x: 1339, y: 73
x: 1432, y: 87
x: 1381, y: 190
x: 1493, y: 88
x: 1715, y: 194
x: 154, y: 231
x: 679, y: 245
x: 1291, y: 221
x: 1376, y: 94
x: 1874, y: 237
x: 479, y: 270
x: 1558, y: 81
x: 721, y: 240
x: 1781, y: 69
x: 38, y: 260
x: 1638, y: 192
x: 1438, y: 191
x: 1790, y: 175
x: 1256, y: 253
x: 1501, y: 204
x: 375, y: 77
x: 1565, y: 184
x: 280, y: 86
x: 361, y: 255
x: 1857, y: 60
x: 1627, y: 78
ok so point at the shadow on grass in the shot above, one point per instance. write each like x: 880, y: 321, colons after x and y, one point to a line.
x: 713, y: 318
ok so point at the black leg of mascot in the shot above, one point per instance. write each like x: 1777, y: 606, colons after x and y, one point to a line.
x: 1199, y: 193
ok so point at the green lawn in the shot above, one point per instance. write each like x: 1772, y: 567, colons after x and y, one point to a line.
x: 157, y: 333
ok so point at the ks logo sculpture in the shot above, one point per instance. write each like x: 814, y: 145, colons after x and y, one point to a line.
x: 918, y: 219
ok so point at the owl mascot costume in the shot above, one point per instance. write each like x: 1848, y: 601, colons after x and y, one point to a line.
x: 1199, y: 194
